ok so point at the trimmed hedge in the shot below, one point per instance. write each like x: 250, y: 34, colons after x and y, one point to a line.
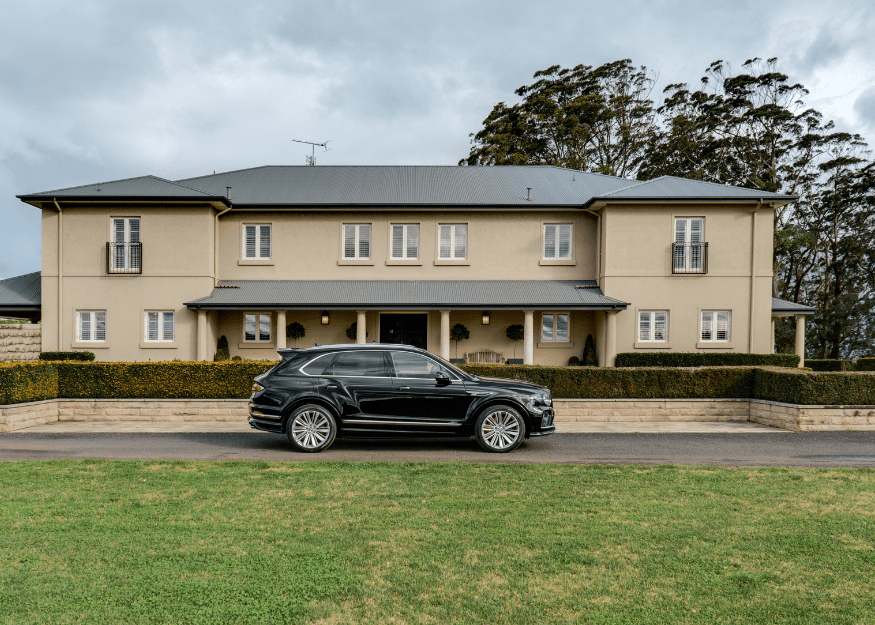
x: 704, y: 359
x: 828, y: 364
x: 810, y: 388
x: 164, y: 380
x: 27, y: 381
x: 56, y: 356
x: 866, y: 364
x: 610, y: 383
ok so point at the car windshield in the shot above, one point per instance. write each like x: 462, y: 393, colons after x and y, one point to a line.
x: 462, y: 374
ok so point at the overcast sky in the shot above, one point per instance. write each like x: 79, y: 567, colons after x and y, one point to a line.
x: 96, y: 90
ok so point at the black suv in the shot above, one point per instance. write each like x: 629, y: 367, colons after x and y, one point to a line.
x: 392, y: 391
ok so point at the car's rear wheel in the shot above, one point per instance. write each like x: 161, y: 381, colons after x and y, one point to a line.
x: 500, y: 429
x: 311, y: 428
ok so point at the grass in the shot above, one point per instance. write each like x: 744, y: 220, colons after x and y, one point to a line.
x: 191, y: 542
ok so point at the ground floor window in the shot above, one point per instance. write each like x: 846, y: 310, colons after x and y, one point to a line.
x: 91, y: 325
x: 554, y: 328
x: 160, y: 326
x: 653, y: 325
x: 716, y: 325
x: 256, y: 327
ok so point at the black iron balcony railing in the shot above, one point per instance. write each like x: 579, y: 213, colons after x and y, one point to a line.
x: 124, y: 258
x: 689, y: 258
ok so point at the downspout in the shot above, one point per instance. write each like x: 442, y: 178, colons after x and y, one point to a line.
x: 216, y: 246
x: 598, y: 245
x: 60, y: 273
x: 753, y: 255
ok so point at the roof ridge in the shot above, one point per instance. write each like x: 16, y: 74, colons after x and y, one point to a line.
x: 108, y: 182
x: 631, y: 186
x: 715, y: 184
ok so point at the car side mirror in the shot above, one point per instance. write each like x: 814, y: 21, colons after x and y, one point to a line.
x: 442, y: 378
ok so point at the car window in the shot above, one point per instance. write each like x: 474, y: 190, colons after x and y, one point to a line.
x: 408, y: 365
x: 359, y: 363
x: 317, y: 367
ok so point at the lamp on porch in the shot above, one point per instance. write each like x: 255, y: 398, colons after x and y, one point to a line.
x: 486, y: 317
x: 325, y: 317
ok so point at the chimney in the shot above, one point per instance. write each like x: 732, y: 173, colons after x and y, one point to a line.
x: 228, y: 192
x: 529, y: 194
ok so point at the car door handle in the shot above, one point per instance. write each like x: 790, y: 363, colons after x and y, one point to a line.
x: 403, y: 388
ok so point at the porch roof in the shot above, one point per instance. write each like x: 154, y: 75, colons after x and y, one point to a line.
x: 407, y: 295
x: 20, y: 296
x: 782, y: 307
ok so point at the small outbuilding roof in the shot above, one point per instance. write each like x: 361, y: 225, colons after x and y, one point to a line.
x: 407, y: 294
x: 21, y: 296
x: 784, y: 307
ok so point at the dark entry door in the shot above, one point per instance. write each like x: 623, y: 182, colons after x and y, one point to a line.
x: 404, y: 329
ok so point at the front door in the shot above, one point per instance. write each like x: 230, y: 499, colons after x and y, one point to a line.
x: 404, y: 329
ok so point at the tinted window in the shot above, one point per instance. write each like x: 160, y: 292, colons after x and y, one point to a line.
x: 362, y: 363
x: 317, y: 367
x: 409, y: 365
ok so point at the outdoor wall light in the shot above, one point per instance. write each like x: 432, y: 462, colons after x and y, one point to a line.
x: 486, y: 317
x: 325, y: 317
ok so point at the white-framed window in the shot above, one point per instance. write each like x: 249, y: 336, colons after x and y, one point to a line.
x: 653, y: 325
x: 716, y: 326
x: 256, y: 241
x: 356, y: 241
x: 126, y: 252
x: 554, y: 328
x: 405, y: 241
x: 689, y: 238
x: 557, y: 241
x: 160, y: 326
x: 256, y: 328
x: 91, y: 326
x: 453, y: 241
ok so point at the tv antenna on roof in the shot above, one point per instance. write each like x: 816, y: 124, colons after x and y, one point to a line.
x: 311, y: 160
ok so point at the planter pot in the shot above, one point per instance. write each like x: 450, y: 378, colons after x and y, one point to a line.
x: 457, y: 361
x: 514, y: 361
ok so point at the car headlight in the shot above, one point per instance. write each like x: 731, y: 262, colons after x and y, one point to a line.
x: 543, y: 398
x: 257, y: 387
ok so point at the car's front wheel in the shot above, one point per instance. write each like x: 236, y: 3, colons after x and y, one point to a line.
x: 311, y: 428
x: 500, y: 429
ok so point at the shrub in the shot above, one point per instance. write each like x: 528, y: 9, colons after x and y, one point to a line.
x: 610, y: 383
x: 54, y: 356
x: 705, y: 359
x: 827, y: 364
x: 22, y: 382
x: 589, y: 356
x: 223, y: 352
x: 459, y: 333
x: 802, y: 387
x: 160, y: 380
x: 865, y: 364
x: 295, y: 331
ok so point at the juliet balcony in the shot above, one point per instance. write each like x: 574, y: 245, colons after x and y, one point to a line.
x: 689, y: 258
x: 124, y: 258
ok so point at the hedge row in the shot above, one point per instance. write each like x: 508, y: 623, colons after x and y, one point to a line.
x: 57, y: 356
x: 866, y: 364
x: 609, y: 383
x: 21, y: 382
x: 704, y: 359
x: 802, y: 387
x: 826, y: 364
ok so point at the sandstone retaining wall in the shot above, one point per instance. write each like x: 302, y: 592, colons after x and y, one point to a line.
x: 20, y: 342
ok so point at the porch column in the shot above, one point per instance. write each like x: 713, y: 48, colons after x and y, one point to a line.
x: 280, y: 329
x: 201, y: 334
x: 361, y: 327
x: 773, y: 336
x: 611, y: 339
x: 445, y: 334
x: 529, y: 337
x: 800, y: 339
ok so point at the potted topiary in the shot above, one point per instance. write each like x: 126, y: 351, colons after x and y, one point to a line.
x: 515, y: 333
x: 352, y: 331
x: 589, y: 356
x: 222, y: 350
x: 459, y: 333
x: 295, y: 331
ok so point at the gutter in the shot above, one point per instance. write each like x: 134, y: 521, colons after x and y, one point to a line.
x: 60, y: 272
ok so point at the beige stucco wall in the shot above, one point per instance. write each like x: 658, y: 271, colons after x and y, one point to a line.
x: 636, y: 267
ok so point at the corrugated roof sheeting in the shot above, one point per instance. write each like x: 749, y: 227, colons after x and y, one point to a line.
x: 671, y: 187
x: 141, y: 187
x: 783, y: 306
x: 579, y: 294
x: 24, y: 291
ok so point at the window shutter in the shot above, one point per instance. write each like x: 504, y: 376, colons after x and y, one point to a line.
x: 722, y: 330
x: 134, y: 236
x: 565, y: 241
x: 643, y: 326
x: 152, y: 326
x: 349, y: 241
x: 660, y: 326
x: 265, y: 241
x: 249, y: 244
x: 707, y: 326
x: 412, y: 241
x: 550, y: 241
x: 445, y: 241
x: 461, y: 250
x: 397, y: 241
x: 168, y: 326
x: 85, y: 326
x: 100, y: 326
x: 364, y: 241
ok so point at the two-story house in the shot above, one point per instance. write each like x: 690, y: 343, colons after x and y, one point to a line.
x: 152, y: 269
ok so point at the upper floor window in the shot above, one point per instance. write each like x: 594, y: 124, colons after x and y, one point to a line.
x: 716, y: 325
x: 160, y: 326
x: 453, y: 241
x: 356, y: 241
x: 124, y: 251
x: 653, y: 325
x: 554, y: 328
x: 256, y: 241
x: 405, y: 241
x: 557, y: 241
x: 91, y: 326
x: 256, y: 327
x: 689, y: 251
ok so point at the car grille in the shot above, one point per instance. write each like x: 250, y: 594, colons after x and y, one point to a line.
x: 547, y: 419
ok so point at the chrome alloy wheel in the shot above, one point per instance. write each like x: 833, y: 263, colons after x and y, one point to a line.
x: 500, y: 429
x: 310, y: 429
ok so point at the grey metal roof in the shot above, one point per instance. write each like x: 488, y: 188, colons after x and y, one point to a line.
x: 407, y: 294
x: 143, y: 187
x: 784, y: 307
x: 673, y: 188
x: 21, y: 292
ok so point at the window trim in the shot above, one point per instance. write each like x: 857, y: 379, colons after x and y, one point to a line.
x: 713, y: 343
x: 111, y: 238
x: 342, y: 259
x: 257, y: 259
x: 392, y: 260
x: 554, y: 341
x: 437, y: 244
x: 638, y: 343
x: 145, y: 343
x: 571, y: 260
x: 78, y: 335
x: 686, y: 269
x: 257, y: 343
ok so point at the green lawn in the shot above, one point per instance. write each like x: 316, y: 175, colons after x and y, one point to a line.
x: 192, y: 542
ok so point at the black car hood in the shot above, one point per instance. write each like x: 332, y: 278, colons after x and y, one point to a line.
x: 519, y: 386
